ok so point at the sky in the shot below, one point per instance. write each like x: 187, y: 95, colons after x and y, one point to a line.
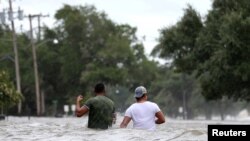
x: 149, y: 16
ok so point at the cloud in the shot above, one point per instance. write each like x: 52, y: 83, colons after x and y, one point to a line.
x: 147, y: 15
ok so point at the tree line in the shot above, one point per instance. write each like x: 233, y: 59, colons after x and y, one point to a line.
x: 207, y: 76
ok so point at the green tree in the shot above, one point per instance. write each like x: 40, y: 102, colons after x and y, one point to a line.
x: 178, y: 42
x: 8, y: 94
x: 174, y: 90
x: 219, y: 48
x: 7, y: 61
x: 224, y: 42
x: 92, y: 48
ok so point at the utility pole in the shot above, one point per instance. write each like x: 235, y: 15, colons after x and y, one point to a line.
x: 39, y: 99
x: 35, y: 67
x: 42, y: 102
x: 184, y: 105
x: 39, y: 28
x: 184, y: 97
x: 39, y: 24
x: 42, y: 98
x: 17, y: 70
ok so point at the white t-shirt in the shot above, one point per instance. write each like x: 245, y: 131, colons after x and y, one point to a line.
x: 143, y: 115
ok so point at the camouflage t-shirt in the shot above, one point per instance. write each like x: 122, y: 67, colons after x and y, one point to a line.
x: 101, y: 110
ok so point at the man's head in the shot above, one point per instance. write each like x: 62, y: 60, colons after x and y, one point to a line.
x: 140, y: 93
x: 99, y: 88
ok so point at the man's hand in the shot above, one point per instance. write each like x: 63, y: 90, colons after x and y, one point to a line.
x: 80, y: 111
x: 79, y: 98
x: 160, y: 118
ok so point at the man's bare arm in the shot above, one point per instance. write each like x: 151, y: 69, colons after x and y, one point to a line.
x: 125, y: 122
x: 80, y: 111
x: 160, y: 118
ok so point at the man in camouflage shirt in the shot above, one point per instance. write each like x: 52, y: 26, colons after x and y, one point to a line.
x: 101, y: 109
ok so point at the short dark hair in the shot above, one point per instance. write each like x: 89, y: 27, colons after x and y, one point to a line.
x: 140, y: 98
x: 99, y: 88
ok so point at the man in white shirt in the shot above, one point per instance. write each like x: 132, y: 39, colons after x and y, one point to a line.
x: 145, y: 114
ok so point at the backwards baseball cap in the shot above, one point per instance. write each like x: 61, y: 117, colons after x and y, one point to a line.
x: 139, y: 91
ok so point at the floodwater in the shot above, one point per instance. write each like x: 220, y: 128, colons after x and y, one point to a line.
x: 74, y: 129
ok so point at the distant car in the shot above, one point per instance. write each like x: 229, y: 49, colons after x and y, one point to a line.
x: 58, y: 115
x: 2, y: 117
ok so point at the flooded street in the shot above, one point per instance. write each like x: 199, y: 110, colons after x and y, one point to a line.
x: 74, y: 129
